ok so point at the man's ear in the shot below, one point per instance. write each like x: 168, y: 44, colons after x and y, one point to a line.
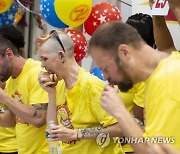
x: 61, y: 56
x: 123, y: 51
x: 9, y: 52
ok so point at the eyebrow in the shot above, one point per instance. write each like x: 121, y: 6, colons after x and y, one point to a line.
x: 42, y: 57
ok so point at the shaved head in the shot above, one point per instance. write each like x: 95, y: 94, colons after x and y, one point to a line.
x: 52, y: 45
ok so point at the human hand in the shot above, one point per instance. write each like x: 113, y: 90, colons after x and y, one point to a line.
x: 61, y: 133
x: 162, y: 149
x: 110, y: 101
x: 47, y: 82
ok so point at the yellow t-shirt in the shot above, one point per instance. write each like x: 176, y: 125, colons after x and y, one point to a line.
x: 26, y: 88
x: 82, y: 109
x: 7, y: 138
x: 162, y: 100
x: 134, y: 95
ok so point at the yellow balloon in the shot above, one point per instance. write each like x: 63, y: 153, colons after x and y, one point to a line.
x: 5, y: 5
x: 73, y: 12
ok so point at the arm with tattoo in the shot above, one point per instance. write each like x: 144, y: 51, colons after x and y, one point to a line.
x: 91, y: 133
x: 23, y: 112
x: 39, y: 107
x: 35, y: 115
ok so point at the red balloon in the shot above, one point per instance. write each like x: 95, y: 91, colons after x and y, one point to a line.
x: 80, y: 43
x: 101, y: 13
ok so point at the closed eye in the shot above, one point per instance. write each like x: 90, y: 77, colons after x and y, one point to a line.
x: 43, y: 59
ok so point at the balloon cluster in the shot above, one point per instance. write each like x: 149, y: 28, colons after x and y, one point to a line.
x: 64, y: 13
x: 60, y: 13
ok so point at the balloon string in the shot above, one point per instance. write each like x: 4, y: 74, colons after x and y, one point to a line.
x: 27, y: 8
x: 125, y: 3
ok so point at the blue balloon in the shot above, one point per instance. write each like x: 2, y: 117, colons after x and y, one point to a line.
x: 97, y: 72
x: 7, y: 18
x: 48, y: 12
